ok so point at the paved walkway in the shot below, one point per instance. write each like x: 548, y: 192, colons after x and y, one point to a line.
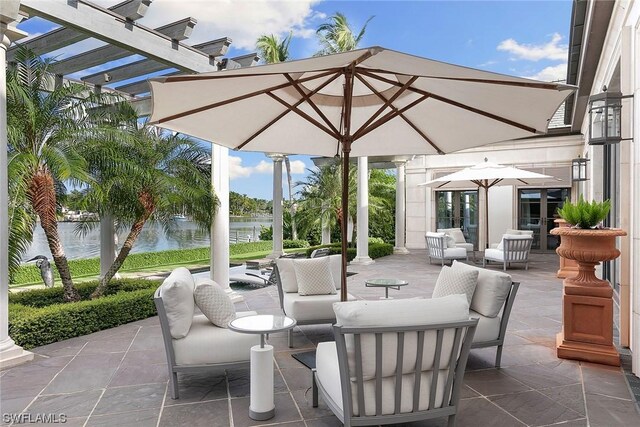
x: 118, y: 377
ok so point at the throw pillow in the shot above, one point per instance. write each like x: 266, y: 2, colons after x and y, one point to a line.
x: 177, y: 298
x: 491, y: 291
x: 314, y: 276
x: 457, y: 235
x: 287, y: 275
x: 451, y: 242
x: 214, y: 303
x: 452, y: 281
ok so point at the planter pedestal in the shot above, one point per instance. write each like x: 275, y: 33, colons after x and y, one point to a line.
x: 587, y: 305
x: 568, y: 267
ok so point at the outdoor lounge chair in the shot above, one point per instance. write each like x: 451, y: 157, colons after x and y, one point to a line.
x: 374, y: 375
x: 458, y: 236
x: 437, y: 248
x: 513, y: 248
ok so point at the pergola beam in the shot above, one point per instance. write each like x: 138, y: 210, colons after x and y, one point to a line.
x: 61, y: 37
x: 124, y: 72
x: 118, y: 31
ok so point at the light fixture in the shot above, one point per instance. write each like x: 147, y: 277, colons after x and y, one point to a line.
x: 604, y: 118
x: 579, y: 169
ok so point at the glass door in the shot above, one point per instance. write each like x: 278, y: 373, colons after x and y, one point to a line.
x: 537, y: 212
x: 459, y: 209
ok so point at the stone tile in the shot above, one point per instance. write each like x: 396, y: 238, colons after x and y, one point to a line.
x: 467, y: 393
x: 297, y: 378
x: 69, y: 347
x: 107, y: 345
x: 540, y: 376
x: 148, y: 339
x: 529, y: 354
x: 304, y: 400
x: 606, y: 411
x: 286, y: 411
x: 606, y: 380
x: 72, y: 405
x: 15, y: 405
x: 570, y: 396
x: 474, y: 413
x: 133, y: 398
x: 493, y: 382
x: 205, y: 414
x: 284, y: 359
x: 141, y: 367
x: 544, y: 336
x: 534, y: 408
x: 85, y: 373
x: 199, y: 388
x: 22, y: 380
x: 239, y: 382
x: 144, y: 418
x: 324, y: 422
x: 68, y: 422
x: 582, y: 422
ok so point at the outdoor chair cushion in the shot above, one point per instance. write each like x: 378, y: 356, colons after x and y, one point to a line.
x: 207, y: 344
x: 491, y: 291
x: 288, y: 275
x: 494, y: 254
x: 488, y: 328
x: 467, y: 246
x: 306, y: 308
x: 455, y: 281
x: 214, y: 303
x: 456, y: 233
x: 177, y: 296
x: 519, y: 232
x: 314, y: 276
x: 453, y: 253
x: 508, y: 236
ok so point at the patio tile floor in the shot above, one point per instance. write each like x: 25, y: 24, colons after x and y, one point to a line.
x: 119, y: 377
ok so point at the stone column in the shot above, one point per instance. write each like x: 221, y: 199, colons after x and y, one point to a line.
x: 400, y: 210
x: 219, y: 271
x: 277, y: 251
x: 362, y: 254
x: 326, y: 227
x: 10, y: 353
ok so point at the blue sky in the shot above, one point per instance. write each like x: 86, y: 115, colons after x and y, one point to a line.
x: 522, y: 38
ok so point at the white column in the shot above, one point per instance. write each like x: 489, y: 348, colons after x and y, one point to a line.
x: 326, y: 225
x: 219, y: 271
x: 107, y: 244
x: 278, y: 251
x: 400, y: 210
x: 10, y: 353
x: 362, y: 254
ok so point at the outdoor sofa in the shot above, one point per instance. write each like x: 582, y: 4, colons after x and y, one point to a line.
x: 443, y: 248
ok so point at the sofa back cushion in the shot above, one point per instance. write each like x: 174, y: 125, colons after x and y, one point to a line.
x: 287, y: 274
x: 491, y: 291
x: 400, y: 312
x: 509, y: 236
x: 336, y: 269
x: 453, y: 281
x: 314, y: 276
x: 214, y: 303
x: 177, y: 298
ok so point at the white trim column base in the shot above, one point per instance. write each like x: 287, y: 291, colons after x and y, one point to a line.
x: 401, y: 251
x: 362, y: 260
x: 13, y: 354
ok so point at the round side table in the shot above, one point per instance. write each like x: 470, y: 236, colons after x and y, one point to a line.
x: 386, y: 284
x: 261, y: 405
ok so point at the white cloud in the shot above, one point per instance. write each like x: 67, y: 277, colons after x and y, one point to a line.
x: 238, y: 170
x: 241, y: 20
x: 552, y: 50
x: 551, y: 74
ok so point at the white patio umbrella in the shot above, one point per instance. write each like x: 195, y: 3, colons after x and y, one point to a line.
x: 366, y: 102
x: 486, y: 175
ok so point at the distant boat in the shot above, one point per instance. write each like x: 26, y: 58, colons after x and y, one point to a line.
x: 179, y: 217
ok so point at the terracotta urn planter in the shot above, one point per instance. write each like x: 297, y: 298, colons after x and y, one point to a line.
x: 568, y: 267
x: 587, y: 306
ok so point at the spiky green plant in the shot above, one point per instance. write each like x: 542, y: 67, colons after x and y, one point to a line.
x: 584, y: 214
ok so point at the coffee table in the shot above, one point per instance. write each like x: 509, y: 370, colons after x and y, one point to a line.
x: 386, y: 284
x: 261, y: 404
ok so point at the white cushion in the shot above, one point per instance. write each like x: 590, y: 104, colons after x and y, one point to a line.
x: 508, y: 236
x: 207, y: 344
x: 311, y: 307
x: 314, y: 276
x: 336, y: 269
x: 177, y: 298
x: 519, y: 232
x: 457, y: 234
x: 401, y: 312
x: 467, y: 246
x: 287, y: 274
x: 491, y: 291
x: 214, y: 303
x: 455, y: 253
x: 452, y: 281
x: 494, y: 254
x: 451, y: 242
x: 488, y: 328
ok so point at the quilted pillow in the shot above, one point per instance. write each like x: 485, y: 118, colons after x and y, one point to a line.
x: 177, y: 298
x: 214, y: 303
x: 314, y: 276
x: 452, y: 281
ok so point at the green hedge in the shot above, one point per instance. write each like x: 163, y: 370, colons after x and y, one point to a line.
x: 91, y: 266
x: 36, y: 318
x: 376, y: 250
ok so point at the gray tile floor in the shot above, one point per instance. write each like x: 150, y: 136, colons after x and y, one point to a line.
x: 118, y: 377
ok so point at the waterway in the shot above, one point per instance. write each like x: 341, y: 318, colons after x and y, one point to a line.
x: 184, y: 235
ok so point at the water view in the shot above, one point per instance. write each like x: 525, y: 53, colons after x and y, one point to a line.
x: 184, y: 235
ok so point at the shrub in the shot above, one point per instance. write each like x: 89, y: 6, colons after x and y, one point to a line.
x: 376, y: 250
x: 35, y: 317
x: 375, y: 240
x: 584, y: 214
x: 294, y: 244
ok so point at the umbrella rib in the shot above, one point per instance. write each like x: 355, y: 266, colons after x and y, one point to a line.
x: 313, y: 105
x: 384, y: 106
x: 455, y: 103
x: 389, y: 116
x: 223, y: 75
x: 409, y: 122
x: 237, y: 98
x: 303, y: 115
x: 265, y: 127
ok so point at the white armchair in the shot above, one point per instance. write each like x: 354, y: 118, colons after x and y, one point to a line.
x: 438, y: 248
x: 514, y: 248
x: 458, y: 237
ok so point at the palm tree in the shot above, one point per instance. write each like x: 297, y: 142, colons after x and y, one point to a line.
x: 150, y: 178
x: 272, y: 50
x: 45, y: 124
x: 336, y: 36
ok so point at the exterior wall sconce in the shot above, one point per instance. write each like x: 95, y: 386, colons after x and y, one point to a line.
x: 579, y: 169
x: 604, y: 118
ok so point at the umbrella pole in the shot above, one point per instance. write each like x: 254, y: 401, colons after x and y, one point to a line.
x: 486, y: 216
x: 346, y: 148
